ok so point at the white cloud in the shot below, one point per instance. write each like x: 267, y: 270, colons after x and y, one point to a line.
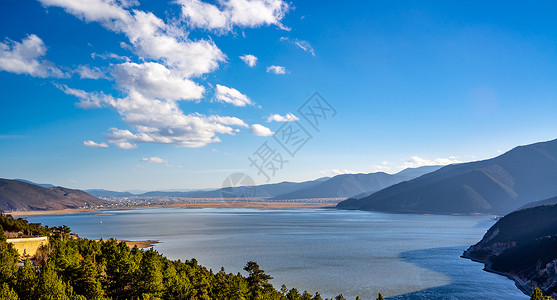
x: 87, y: 100
x: 125, y: 145
x: 154, y: 80
x: 334, y: 172
x: 278, y: 118
x: 276, y: 70
x: 416, y: 161
x: 383, y: 167
x: 229, y: 13
x: 92, y: 144
x: 154, y: 159
x: 109, y: 55
x: 232, y: 96
x: 169, y: 61
x: 90, y: 73
x: 26, y: 58
x: 149, y: 36
x: 260, y: 130
x: 304, y: 45
x: 250, y: 60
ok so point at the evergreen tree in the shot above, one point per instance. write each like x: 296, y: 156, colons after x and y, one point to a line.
x: 7, y: 293
x: 51, y: 286
x: 8, y: 258
x: 257, y: 279
x: 379, y: 297
x: 538, y: 295
x: 26, y: 281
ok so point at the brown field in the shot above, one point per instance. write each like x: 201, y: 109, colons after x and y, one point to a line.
x: 220, y: 203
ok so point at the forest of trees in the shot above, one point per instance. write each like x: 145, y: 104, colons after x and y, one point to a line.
x: 84, y: 269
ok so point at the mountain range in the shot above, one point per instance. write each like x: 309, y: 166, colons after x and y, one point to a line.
x: 340, y: 186
x: 23, y: 196
x: 498, y: 185
x: 352, y: 185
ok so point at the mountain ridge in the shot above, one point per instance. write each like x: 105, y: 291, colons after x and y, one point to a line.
x: 23, y: 196
x: 496, y: 185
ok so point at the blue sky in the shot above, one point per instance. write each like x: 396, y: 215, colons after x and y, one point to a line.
x: 162, y: 95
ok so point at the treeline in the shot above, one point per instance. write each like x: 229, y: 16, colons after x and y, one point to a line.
x: 80, y: 269
x: 9, y: 223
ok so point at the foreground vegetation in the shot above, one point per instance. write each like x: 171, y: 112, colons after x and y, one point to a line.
x: 84, y: 269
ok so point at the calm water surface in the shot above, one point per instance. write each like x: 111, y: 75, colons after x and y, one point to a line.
x: 330, y: 251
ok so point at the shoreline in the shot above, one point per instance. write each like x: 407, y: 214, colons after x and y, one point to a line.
x: 139, y: 244
x: 521, y: 285
x: 271, y: 205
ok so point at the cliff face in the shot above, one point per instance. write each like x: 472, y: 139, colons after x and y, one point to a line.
x: 523, y: 244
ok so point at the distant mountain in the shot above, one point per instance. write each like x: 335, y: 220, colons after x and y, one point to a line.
x: 550, y: 201
x: 18, y: 195
x: 45, y: 185
x: 522, y: 244
x: 265, y: 190
x: 354, y: 185
x: 498, y: 185
x: 108, y: 194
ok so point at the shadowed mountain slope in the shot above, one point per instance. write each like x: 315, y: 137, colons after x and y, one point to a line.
x: 498, y: 185
x: 18, y: 195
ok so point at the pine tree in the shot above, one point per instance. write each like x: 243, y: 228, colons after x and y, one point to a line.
x: 7, y: 293
x: 257, y: 279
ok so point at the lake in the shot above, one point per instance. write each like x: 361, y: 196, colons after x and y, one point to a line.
x: 326, y: 250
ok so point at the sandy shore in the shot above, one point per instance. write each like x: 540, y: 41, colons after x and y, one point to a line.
x: 194, y: 204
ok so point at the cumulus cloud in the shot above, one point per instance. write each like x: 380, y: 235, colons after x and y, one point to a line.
x: 260, y: 130
x: 149, y: 35
x: 169, y: 60
x: 229, y: 13
x: 158, y: 121
x: 92, y: 144
x: 229, y: 95
x: 26, y: 57
x: 154, y: 159
x: 250, y: 60
x: 278, y: 118
x: 276, y: 70
x: 154, y: 80
x: 416, y: 161
x: 304, y: 45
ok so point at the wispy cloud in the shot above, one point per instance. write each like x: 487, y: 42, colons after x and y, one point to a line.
x: 92, y: 144
x: 304, y: 45
x: 416, y: 161
x: 154, y: 159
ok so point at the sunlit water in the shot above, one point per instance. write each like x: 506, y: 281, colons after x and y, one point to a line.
x: 330, y: 251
